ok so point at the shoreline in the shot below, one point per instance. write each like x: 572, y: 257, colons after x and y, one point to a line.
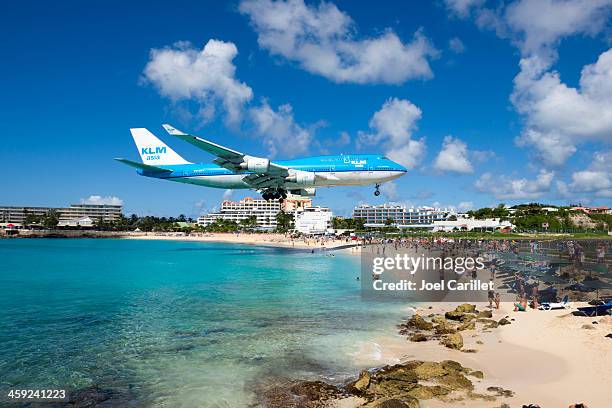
x: 271, y: 240
x: 550, y: 358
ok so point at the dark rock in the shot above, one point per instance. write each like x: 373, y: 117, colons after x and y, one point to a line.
x: 361, y: 384
x: 588, y: 327
x: 417, y: 322
x: 466, y: 308
x: 485, y: 314
x: 459, y: 316
x: 466, y: 326
x: 503, y: 322
x: 469, y: 351
x: 444, y: 328
x: 429, y: 370
x: 438, y: 319
x: 456, y: 381
x: 453, y: 341
x: 417, y: 337
x: 316, y: 390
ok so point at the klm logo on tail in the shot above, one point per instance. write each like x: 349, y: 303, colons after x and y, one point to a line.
x: 151, y: 150
x: 152, y: 153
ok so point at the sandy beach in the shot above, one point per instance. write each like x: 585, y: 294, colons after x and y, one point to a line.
x: 276, y: 240
x: 550, y: 358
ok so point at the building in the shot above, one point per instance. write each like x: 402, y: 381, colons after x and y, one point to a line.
x: 472, y: 224
x: 295, y: 202
x: 313, y: 220
x: 236, y: 211
x: 592, y: 210
x: 67, y: 215
x: 401, y: 216
x: 84, y: 222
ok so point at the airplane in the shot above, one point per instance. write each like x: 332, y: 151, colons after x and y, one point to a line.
x: 232, y: 169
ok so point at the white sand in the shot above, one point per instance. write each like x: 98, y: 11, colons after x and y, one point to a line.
x: 545, y: 357
x: 277, y: 240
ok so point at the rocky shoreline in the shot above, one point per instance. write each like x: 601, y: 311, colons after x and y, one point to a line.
x: 404, y: 385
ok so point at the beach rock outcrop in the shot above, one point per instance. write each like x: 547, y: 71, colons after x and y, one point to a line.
x: 438, y: 319
x: 418, y: 337
x: 485, y: 314
x: 453, y: 341
x: 466, y: 308
x: 470, y: 325
x: 459, y: 316
x: 503, y: 321
x: 361, y: 384
x: 444, y: 328
x: 417, y: 322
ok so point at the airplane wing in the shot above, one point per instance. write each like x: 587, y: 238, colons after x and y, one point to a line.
x: 265, y: 173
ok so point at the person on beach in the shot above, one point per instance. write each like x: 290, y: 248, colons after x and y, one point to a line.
x: 491, y: 296
x: 521, y: 306
x: 497, y: 300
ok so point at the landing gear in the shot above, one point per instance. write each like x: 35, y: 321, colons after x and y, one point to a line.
x: 377, y: 191
x: 274, y: 194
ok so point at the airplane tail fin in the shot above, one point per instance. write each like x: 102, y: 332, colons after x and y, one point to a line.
x: 153, y: 151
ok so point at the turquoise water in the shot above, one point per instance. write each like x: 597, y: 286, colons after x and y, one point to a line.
x: 168, y: 323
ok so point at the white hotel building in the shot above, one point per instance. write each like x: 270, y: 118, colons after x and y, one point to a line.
x: 236, y: 211
x: 377, y: 215
x: 308, y: 219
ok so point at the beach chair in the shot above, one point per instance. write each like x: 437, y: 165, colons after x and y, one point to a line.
x: 591, y: 311
x: 555, y: 305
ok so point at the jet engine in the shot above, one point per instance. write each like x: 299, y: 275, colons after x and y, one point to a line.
x: 302, y: 178
x: 255, y: 164
x: 304, y: 192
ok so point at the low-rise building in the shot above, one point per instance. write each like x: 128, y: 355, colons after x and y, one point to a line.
x: 17, y: 214
x: 400, y: 215
x: 236, y: 211
x: 472, y: 224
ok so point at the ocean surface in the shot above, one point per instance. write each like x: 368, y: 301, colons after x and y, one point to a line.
x: 180, y: 324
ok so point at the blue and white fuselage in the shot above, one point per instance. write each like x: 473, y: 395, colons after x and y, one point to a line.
x: 329, y: 171
x: 234, y: 170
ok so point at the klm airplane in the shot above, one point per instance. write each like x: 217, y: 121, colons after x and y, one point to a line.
x: 273, y: 179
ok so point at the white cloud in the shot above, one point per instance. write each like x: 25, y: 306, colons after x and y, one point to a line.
x: 559, y: 117
x: 462, y: 8
x: 456, y: 45
x: 280, y: 132
x: 182, y: 72
x: 596, y: 180
x: 389, y: 190
x: 99, y: 200
x: 392, y: 127
x: 465, y: 206
x: 537, y: 25
x: 453, y: 157
x: 227, y: 194
x: 503, y: 187
x: 321, y: 40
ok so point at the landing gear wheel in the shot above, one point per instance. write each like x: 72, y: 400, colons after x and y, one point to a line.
x: 377, y: 191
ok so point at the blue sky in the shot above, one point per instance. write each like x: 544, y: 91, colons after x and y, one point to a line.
x: 484, y: 102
